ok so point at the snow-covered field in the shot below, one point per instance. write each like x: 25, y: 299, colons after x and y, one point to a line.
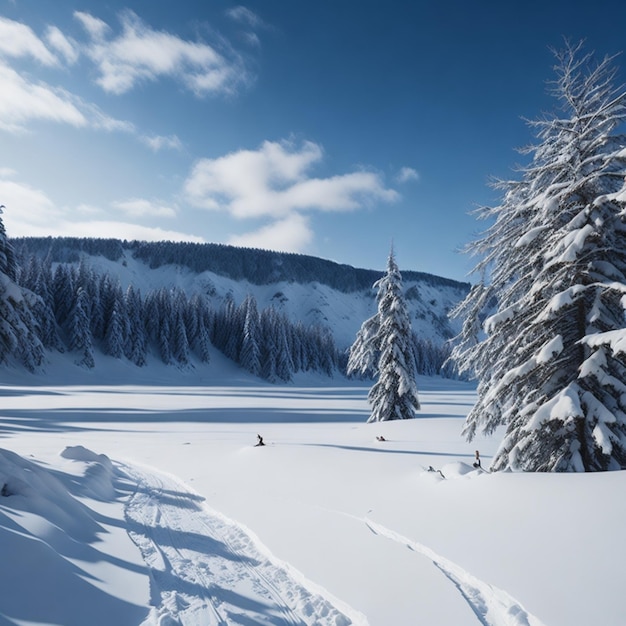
x: 140, y: 499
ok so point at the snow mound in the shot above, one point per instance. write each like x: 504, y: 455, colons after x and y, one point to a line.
x: 60, y: 551
x: 33, y: 490
x: 98, y: 474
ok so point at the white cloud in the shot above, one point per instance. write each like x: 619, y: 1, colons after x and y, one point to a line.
x: 273, y: 181
x: 292, y: 234
x: 67, y: 48
x: 18, y: 40
x: 96, y: 28
x: 139, y: 207
x: 26, y: 207
x: 245, y: 16
x: 407, y: 174
x: 250, y: 21
x: 120, y: 230
x: 156, y: 142
x: 89, y: 209
x: 140, y: 54
x: 22, y: 101
x: 31, y: 213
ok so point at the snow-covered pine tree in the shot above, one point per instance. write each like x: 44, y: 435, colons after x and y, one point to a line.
x: 63, y: 293
x: 389, y: 336
x: 250, y: 354
x: 19, y: 339
x: 136, y: 347
x: 79, y: 331
x: 555, y: 258
x: 202, y: 340
x: 179, y: 340
x: 364, y: 352
x: 114, y: 336
x: 8, y: 261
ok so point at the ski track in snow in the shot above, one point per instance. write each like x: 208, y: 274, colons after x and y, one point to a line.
x: 492, y: 606
x: 206, y: 570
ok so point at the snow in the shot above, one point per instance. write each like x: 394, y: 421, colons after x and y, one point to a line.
x: 137, y: 497
x: 312, y: 303
x: 550, y: 350
x: 527, y: 238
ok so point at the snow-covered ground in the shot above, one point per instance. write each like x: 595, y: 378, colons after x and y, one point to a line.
x: 137, y: 497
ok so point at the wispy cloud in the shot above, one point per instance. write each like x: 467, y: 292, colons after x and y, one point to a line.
x: 22, y: 101
x: 67, y: 48
x: 140, y: 207
x: 100, y: 229
x: 245, y: 16
x: 407, y: 174
x: 274, y: 181
x: 137, y: 54
x: 140, y: 54
x: 157, y: 143
x: 18, y: 40
x: 31, y: 212
x: 292, y: 234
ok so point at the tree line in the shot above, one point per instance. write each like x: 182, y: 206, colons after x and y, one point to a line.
x: 69, y: 307
x: 259, y: 267
x: 79, y: 310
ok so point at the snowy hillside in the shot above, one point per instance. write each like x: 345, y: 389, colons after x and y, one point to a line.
x: 313, y: 301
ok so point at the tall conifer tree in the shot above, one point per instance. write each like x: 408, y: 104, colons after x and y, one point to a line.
x: 387, y: 339
x: 554, y: 260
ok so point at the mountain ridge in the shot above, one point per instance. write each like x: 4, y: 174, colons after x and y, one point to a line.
x: 305, y: 288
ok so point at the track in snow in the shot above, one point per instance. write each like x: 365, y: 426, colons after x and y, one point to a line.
x: 205, y: 570
x: 492, y: 606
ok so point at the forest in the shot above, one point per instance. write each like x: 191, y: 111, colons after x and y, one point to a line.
x: 64, y: 304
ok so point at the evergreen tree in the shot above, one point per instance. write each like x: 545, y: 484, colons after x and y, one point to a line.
x: 79, y: 331
x: 114, y: 337
x: 389, y: 335
x: 19, y: 339
x: 62, y: 293
x: 268, y: 345
x: 135, y: 348
x: 8, y: 261
x: 250, y: 355
x: 179, y: 341
x: 555, y: 258
x: 39, y: 281
x: 202, y: 342
x: 284, y: 364
x: 365, y: 351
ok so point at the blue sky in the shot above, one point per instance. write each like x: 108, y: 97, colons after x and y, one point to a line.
x: 330, y: 128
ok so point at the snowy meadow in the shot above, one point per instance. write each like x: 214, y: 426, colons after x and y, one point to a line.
x: 139, y: 498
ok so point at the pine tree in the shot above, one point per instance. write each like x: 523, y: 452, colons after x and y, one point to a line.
x: 179, y: 340
x: 135, y: 348
x: 365, y: 351
x: 62, y: 293
x: 202, y: 341
x: 388, y: 337
x: 79, y: 331
x: 555, y: 257
x: 269, y: 348
x: 8, y: 261
x: 250, y: 354
x: 284, y: 364
x: 114, y: 337
x: 19, y: 338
